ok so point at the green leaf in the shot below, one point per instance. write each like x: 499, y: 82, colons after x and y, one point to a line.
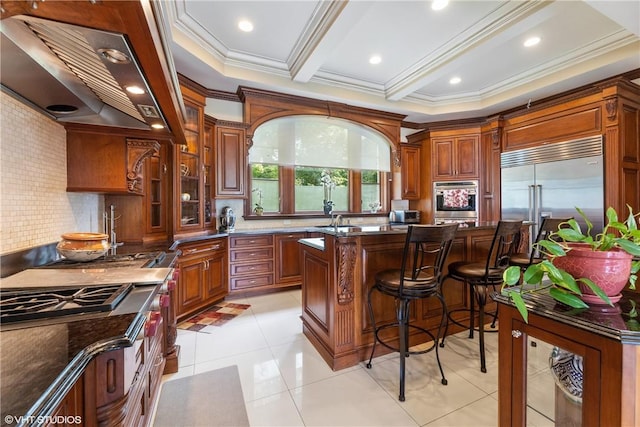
x: 533, y: 275
x: 631, y: 220
x: 552, y: 247
x: 596, y: 290
x: 511, y: 275
x: 612, y: 215
x: 628, y: 246
x: 520, y: 305
x: 567, y: 298
x: 571, y: 235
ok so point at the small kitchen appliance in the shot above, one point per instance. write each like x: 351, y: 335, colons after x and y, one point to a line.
x: 227, y: 220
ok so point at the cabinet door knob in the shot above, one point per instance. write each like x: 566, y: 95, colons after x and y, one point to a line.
x: 516, y: 333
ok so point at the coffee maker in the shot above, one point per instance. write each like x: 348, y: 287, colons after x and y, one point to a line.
x: 227, y: 220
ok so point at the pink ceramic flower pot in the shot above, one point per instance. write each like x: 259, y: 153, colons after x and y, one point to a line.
x: 609, y: 269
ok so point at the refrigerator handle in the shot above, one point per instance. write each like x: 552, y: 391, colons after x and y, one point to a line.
x: 538, y: 206
x: 532, y: 202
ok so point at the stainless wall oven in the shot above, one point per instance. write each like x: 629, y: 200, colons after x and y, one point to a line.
x: 455, y: 201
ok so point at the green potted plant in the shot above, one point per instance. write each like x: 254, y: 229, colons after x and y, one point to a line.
x: 569, y: 254
x: 258, y: 209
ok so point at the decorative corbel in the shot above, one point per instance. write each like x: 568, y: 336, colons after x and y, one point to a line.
x: 611, y: 105
x: 346, y: 267
x: 137, y: 151
x: 395, y: 155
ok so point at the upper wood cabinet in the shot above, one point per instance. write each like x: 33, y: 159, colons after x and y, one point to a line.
x: 455, y: 157
x: 231, y: 161
x: 410, y: 171
x: 107, y: 162
x: 194, y: 170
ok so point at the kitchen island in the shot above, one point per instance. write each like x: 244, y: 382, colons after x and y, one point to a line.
x: 338, y: 270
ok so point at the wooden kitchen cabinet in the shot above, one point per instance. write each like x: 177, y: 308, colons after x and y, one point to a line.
x: 156, y: 199
x: 603, y: 339
x: 264, y: 262
x: 194, y: 170
x: 410, y: 171
x: 455, y: 157
x: 250, y: 262
x: 288, y: 270
x: 203, y: 276
x: 72, y: 404
x: 107, y: 162
x: 231, y: 160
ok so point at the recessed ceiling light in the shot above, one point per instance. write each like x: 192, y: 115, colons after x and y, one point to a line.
x: 136, y: 90
x: 375, y: 59
x: 455, y: 80
x: 157, y: 126
x: 439, y: 4
x: 532, y: 41
x: 245, y: 26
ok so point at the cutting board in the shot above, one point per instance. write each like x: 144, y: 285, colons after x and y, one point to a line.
x: 46, y: 278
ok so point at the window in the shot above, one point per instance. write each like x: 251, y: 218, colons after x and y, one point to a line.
x: 299, y: 163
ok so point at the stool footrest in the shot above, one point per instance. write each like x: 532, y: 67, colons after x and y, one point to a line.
x: 395, y: 325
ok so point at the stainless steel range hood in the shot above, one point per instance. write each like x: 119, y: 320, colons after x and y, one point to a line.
x: 75, y: 74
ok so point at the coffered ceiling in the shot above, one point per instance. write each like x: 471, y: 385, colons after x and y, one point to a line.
x: 321, y: 49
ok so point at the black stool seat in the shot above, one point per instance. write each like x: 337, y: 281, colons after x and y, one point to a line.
x: 420, y: 276
x: 481, y: 277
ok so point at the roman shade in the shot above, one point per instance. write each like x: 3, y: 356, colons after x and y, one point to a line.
x: 319, y: 141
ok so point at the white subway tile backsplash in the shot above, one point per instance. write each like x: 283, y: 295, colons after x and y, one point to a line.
x: 35, y: 208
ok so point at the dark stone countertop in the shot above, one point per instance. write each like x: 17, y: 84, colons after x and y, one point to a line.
x: 41, y: 360
x: 618, y: 322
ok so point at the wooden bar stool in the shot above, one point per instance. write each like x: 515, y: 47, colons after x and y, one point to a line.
x: 420, y: 276
x: 481, y: 277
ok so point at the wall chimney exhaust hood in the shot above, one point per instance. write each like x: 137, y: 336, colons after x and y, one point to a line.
x: 76, y: 74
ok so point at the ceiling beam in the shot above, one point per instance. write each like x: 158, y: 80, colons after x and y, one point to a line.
x: 426, y: 70
x: 329, y: 25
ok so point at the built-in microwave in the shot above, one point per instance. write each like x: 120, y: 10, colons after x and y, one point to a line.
x: 455, y: 200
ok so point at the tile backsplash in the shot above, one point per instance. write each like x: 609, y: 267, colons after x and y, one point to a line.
x: 35, y: 208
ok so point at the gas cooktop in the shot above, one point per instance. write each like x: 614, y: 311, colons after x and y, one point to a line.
x: 142, y: 260
x: 29, y: 305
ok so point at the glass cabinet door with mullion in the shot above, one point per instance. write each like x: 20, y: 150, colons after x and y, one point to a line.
x: 189, y: 155
x: 207, y: 175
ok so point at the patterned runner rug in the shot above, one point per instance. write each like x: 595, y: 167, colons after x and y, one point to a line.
x: 216, y: 315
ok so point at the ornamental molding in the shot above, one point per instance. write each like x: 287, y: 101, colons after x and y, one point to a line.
x: 346, y: 267
x: 137, y: 151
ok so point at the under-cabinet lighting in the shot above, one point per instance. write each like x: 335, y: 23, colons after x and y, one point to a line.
x: 157, y: 126
x: 136, y: 90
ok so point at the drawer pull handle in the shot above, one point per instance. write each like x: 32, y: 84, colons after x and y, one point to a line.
x: 516, y: 333
x: 252, y: 281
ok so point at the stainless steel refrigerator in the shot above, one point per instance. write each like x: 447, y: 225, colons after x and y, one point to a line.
x: 552, y: 180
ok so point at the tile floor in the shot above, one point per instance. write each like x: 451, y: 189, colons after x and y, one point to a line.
x: 286, y: 383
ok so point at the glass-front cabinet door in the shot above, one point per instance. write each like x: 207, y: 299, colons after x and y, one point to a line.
x: 553, y: 376
x: 190, y: 170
